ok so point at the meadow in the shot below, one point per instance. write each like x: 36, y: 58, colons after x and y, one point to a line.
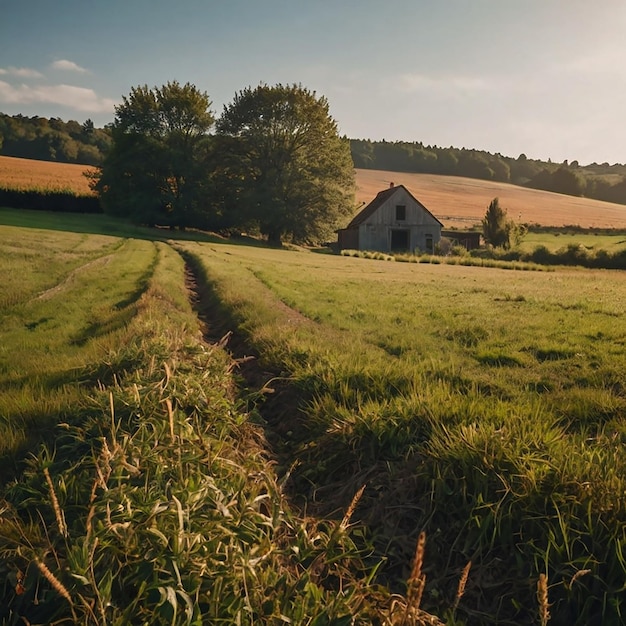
x: 369, y: 404
x: 483, y: 406
x: 458, y: 202
x: 134, y: 488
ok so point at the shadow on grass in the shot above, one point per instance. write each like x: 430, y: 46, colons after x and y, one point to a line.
x: 100, y: 224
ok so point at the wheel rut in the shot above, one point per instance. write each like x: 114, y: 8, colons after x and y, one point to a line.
x: 264, y: 390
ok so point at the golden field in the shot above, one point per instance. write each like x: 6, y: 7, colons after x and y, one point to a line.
x: 458, y: 202
x: 30, y: 174
x: 461, y: 202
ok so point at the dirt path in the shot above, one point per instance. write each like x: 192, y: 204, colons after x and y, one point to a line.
x: 263, y: 388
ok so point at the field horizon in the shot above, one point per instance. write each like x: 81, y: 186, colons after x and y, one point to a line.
x: 458, y: 202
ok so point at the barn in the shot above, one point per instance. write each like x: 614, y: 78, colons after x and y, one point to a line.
x: 394, y: 222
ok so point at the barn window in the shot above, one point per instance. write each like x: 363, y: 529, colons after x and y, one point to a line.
x: 429, y: 243
x: 400, y: 212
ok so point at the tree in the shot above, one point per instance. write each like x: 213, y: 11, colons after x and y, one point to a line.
x: 156, y: 169
x: 498, y: 230
x: 290, y: 172
x: 88, y: 127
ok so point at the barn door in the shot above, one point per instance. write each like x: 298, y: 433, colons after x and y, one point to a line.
x: 429, y: 244
x: 400, y: 240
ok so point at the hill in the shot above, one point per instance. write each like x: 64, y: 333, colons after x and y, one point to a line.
x: 28, y: 174
x: 461, y: 202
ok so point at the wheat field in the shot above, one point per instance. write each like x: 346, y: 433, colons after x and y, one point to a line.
x: 461, y: 202
x: 18, y: 173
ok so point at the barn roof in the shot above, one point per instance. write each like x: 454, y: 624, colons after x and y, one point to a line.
x: 379, y: 200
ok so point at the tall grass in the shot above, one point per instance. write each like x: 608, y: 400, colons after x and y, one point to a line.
x: 152, y: 498
x: 484, y: 407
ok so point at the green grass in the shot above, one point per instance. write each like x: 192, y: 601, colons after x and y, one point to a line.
x: 140, y: 491
x: 611, y: 242
x: 98, y: 224
x: 484, y: 406
x: 61, y: 313
x: 481, y: 405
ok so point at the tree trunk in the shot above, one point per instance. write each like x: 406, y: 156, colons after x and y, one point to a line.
x: 274, y: 238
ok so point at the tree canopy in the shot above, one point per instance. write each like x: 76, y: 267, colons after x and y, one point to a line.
x: 290, y: 171
x: 156, y: 170
x: 498, y: 230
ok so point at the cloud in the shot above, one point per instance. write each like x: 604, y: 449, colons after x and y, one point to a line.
x: 21, y: 72
x: 68, y: 66
x: 77, y: 98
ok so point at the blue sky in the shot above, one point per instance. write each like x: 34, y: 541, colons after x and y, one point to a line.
x: 543, y: 77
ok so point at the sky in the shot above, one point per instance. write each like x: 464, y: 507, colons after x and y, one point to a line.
x: 546, y: 78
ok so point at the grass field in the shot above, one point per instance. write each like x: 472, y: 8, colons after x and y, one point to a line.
x: 133, y: 487
x: 483, y: 406
x: 558, y: 240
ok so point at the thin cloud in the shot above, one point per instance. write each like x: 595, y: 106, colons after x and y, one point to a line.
x: 77, y: 98
x: 68, y: 66
x: 20, y: 72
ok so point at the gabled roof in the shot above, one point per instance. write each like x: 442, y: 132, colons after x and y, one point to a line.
x: 379, y: 200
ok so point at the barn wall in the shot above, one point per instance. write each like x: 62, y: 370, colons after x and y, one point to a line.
x: 375, y: 232
x: 373, y: 237
x: 348, y: 239
x: 415, y: 214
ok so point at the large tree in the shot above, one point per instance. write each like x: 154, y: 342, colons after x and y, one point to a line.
x: 497, y: 228
x: 289, y: 170
x: 156, y: 170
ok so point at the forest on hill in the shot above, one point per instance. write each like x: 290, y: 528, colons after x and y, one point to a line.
x: 599, y: 181
x: 72, y: 142
x: 53, y: 139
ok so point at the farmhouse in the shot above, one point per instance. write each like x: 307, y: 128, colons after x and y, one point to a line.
x: 394, y: 221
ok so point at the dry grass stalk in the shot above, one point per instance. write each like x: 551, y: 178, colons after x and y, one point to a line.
x: 416, y: 581
x: 579, y: 574
x: 170, y: 415
x: 462, y: 582
x: 542, y: 599
x: 55, y: 504
x: 92, y: 510
x: 350, y: 512
x: 57, y: 585
x: 223, y: 342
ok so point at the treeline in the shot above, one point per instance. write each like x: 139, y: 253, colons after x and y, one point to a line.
x: 53, y: 139
x: 600, y: 181
x: 71, y: 142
